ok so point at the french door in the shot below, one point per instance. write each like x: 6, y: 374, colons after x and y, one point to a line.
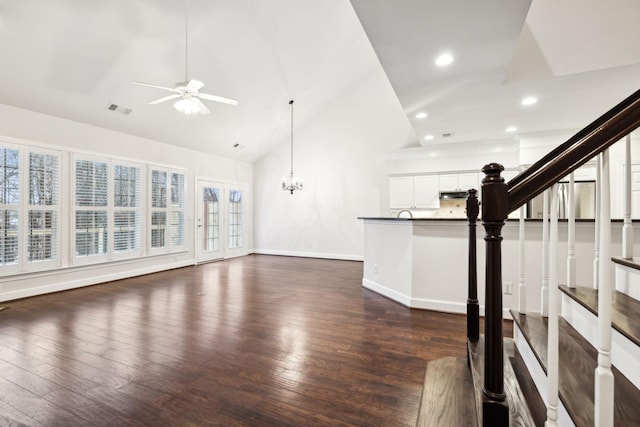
x: 220, y: 222
x: 209, y: 221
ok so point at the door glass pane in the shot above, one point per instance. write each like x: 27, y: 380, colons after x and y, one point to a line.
x: 211, y: 219
x: 235, y: 219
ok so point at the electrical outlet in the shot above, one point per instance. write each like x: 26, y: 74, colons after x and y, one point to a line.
x: 375, y: 268
x: 507, y: 288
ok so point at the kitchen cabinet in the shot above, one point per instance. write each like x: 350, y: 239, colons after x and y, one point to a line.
x: 413, y: 192
x: 459, y: 181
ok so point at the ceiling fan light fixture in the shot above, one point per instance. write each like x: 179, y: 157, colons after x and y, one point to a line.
x: 186, y: 106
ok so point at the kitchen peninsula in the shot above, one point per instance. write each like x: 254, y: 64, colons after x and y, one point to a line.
x: 422, y: 263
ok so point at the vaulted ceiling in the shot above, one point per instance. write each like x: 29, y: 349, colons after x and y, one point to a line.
x: 72, y: 59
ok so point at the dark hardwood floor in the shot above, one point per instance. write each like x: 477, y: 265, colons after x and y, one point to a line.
x: 252, y: 341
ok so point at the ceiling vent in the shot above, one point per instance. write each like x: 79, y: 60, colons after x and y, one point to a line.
x: 447, y: 135
x: 119, y: 109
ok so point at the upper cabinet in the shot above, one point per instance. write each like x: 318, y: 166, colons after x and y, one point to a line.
x: 458, y: 181
x: 425, y: 192
x: 413, y: 192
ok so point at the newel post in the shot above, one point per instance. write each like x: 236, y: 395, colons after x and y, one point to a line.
x: 473, y: 309
x: 495, y: 201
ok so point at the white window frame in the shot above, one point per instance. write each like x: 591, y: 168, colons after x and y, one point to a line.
x: 139, y: 209
x: 108, y: 209
x: 23, y: 207
x: 168, y: 210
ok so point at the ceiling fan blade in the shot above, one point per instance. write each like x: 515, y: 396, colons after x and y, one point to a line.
x: 194, y: 85
x: 163, y: 99
x: 218, y: 99
x: 156, y: 86
x: 201, y: 106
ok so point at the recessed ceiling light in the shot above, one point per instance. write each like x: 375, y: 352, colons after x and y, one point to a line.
x: 444, y: 59
x: 421, y: 115
x: 428, y: 137
x: 511, y: 129
x: 529, y: 100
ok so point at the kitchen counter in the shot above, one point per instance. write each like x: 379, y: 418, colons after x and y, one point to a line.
x: 423, y: 262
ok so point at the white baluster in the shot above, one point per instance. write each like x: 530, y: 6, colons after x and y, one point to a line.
x: 596, y: 257
x: 552, y: 345
x: 544, y: 291
x: 627, y: 228
x: 571, y: 236
x: 522, y: 288
x: 603, y: 376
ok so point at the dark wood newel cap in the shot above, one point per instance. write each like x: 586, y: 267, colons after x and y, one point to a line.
x: 492, y: 173
x: 495, y: 199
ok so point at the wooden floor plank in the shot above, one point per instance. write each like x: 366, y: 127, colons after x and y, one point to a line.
x: 252, y: 341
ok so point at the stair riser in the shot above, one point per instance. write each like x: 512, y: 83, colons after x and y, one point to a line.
x: 624, y: 353
x: 628, y: 281
x: 538, y: 375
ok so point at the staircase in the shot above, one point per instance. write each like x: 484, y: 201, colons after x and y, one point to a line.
x: 577, y: 361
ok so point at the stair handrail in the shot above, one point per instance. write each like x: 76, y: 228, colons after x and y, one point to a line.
x: 500, y: 198
x: 599, y: 135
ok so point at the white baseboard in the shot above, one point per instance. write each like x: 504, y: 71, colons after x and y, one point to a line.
x: 387, y: 292
x: 344, y: 257
x: 437, y: 305
x: 91, y: 280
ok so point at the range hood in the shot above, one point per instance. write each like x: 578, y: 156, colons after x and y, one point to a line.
x: 447, y: 195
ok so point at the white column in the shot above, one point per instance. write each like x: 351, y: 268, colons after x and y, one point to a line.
x: 522, y: 288
x: 552, y: 345
x: 596, y: 257
x: 544, y: 291
x: 627, y: 228
x: 603, y: 376
x: 571, y: 235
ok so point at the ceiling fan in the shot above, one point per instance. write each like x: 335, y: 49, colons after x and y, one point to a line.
x: 187, y: 93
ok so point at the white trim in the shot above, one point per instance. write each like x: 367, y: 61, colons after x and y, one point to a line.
x: 439, y: 305
x: 93, y: 280
x: 387, y: 292
x: 345, y: 257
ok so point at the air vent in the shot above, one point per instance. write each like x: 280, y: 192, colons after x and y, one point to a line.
x: 447, y: 135
x: 119, y: 109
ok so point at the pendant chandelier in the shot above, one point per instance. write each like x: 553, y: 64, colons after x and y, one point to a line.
x: 292, y: 182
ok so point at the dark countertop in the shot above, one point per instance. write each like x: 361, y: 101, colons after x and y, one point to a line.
x: 389, y: 218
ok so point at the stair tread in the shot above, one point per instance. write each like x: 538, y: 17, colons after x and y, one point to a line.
x: 631, y: 263
x: 519, y: 414
x: 624, y: 314
x: 447, y: 396
x: 536, y: 405
x: 577, y: 364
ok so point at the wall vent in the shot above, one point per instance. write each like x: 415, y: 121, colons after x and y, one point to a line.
x: 119, y: 109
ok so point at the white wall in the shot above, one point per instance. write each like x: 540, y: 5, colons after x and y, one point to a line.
x: 339, y: 154
x: 31, y: 128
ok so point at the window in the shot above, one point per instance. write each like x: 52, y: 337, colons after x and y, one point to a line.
x: 91, y: 194
x: 211, y: 201
x: 29, y: 208
x: 127, y: 229
x: 235, y: 219
x: 9, y: 205
x: 42, y: 244
x: 177, y: 209
x: 167, y: 215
